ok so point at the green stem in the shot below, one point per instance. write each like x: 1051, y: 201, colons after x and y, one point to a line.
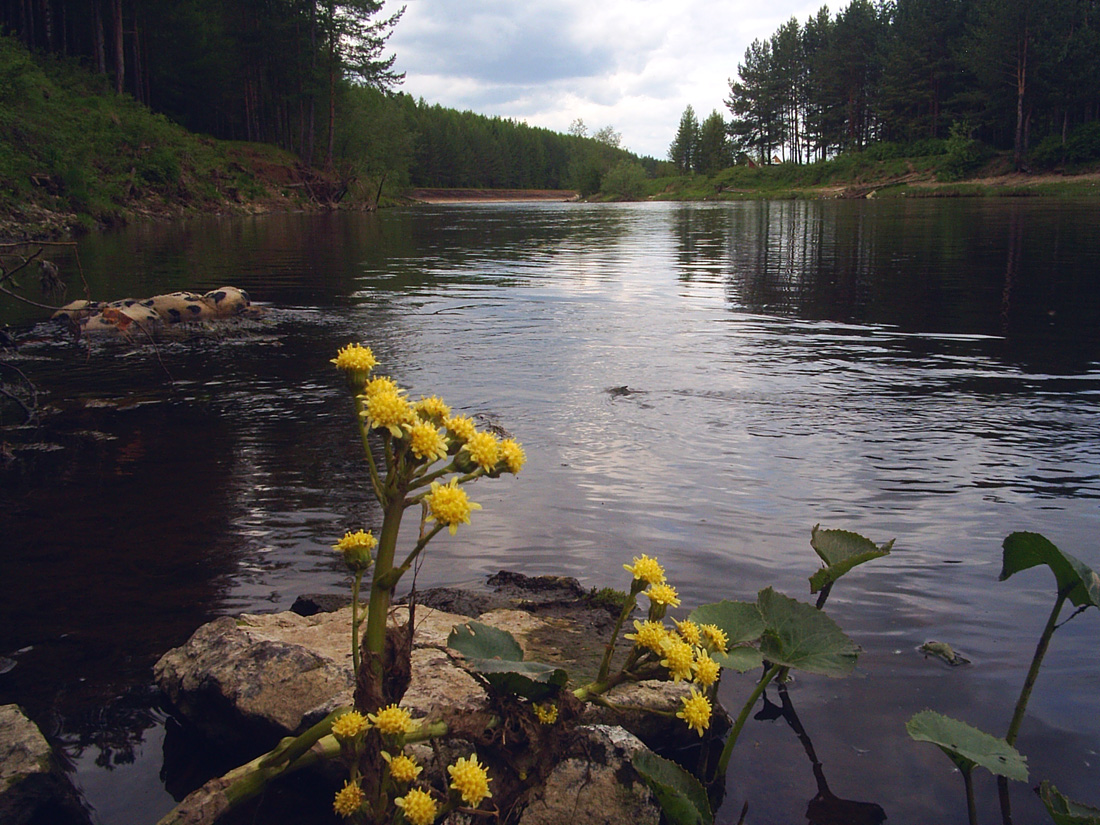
x: 1033, y: 672
x: 397, y: 572
x: 628, y: 608
x: 1025, y: 695
x: 355, y: 620
x: 378, y: 609
x: 724, y: 760
x: 971, y: 806
x: 364, y: 432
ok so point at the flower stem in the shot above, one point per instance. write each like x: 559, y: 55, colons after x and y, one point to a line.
x: 724, y: 760
x: 628, y: 608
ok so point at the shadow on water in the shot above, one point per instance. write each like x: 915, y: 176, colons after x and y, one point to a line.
x: 700, y: 382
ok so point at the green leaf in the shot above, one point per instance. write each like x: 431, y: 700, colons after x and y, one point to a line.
x: 532, y: 680
x: 682, y: 797
x: 799, y: 636
x: 740, y: 658
x: 967, y: 746
x: 841, y: 551
x: 741, y: 621
x: 475, y: 640
x: 1024, y: 550
x: 1065, y: 811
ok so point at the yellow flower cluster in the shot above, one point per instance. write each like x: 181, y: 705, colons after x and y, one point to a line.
x: 512, y: 455
x: 546, y: 712
x: 356, y: 548
x: 403, y: 768
x: 389, y: 410
x: 449, y: 505
x: 716, y: 638
x: 349, y: 725
x: 348, y: 799
x: 679, y: 658
x: 696, y: 711
x: 392, y: 721
x: 461, y: 428
x: 357, y: 361
x: 470, y: 780
x: 663, y: 594
x: 419, y: 807
x: 646, y: 569
x: 427, y: 442
x: 648, y: 634
x: 484, y: 450
x: 432, y: 408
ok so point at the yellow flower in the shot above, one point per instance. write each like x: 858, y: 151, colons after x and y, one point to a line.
x: 512, y: 455
x: 392, y: 721
x: 706, y: 669
x: 696, y: 711
x: 679, y: 658
x: 650, y: 635
x: 389, y: 410
x: 403, y: 768
x: 432, y: 408
x: 355, y: 359
x: 460, y: 427
x: 419, y: 807
x: 448, y: 504
x: 356, y: 548
x: 484, y: 450
x: 547, y: 713
x: 470, y: 780
x: 663, y: 594
x: 349, y: 725
x: 689, y: 632
x: 427, y: 442
x: 715, y: 637
x: 348, y: 799
x: 646, y: 569
x: 380, y: 384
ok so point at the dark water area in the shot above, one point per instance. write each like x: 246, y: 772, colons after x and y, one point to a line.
x: 703, y: 383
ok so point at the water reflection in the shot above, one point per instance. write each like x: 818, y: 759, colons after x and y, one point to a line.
x: 919, y: 370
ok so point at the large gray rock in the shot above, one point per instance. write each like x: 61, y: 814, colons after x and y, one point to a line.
x: 32, y: 788
x: 595, y: 784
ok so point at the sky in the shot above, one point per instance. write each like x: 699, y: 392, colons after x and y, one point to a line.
x: 633, y: 65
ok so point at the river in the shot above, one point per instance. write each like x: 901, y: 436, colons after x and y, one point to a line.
x: 699, y: 382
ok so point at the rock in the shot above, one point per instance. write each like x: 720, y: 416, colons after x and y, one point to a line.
x: 252, y: 680
x: 595, y: 784
x: 32, y: 788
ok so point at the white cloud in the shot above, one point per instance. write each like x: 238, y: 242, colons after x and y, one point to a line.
x: 630, y: 64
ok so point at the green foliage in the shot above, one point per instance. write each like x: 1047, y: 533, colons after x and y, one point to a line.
x: 681, y: 796
x: 841, y: 551
x: 965, y: 154
x: 742, y: 624
x: 497, y: 657
x: 1076, y: 580
x: 801, y: 637
x: 1065, y: 811
x: 624, y: 181
x: 967, y: 746
x: 1082, y: 146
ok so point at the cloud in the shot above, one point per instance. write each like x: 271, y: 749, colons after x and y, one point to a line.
x: 631, y: 64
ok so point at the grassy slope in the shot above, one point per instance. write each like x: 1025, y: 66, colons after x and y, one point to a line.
x: 73, y: 155
x: 855, y: 176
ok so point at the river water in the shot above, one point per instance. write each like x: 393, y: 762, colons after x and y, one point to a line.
x: 699, y: 382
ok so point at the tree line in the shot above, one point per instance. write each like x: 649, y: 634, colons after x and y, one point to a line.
x: 1013, y: 74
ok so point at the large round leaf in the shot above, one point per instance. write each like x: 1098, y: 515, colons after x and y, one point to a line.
x: 967, y: 746
x: 475, y: 640
x: 532, y: 680
x: 740, y: 621
x: 1024, y: 550
x: 841, y: 551
x: 799, y: 636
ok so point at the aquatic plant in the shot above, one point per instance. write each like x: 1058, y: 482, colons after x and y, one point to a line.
x: 968, y: 747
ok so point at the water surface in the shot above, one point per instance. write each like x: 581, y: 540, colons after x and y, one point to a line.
x: 699, y: 382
